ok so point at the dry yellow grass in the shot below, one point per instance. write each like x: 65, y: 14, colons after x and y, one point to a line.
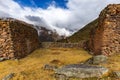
x: 113, y: 63
x: 30, y: 67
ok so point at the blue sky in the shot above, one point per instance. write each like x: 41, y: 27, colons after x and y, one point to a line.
x: 64, y: 16
x: 42, y: 3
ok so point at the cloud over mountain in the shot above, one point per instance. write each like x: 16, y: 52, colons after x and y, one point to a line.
x: 77, y: 14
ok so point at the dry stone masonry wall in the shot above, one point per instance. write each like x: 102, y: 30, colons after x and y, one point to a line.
x: 17, y: 38
x: 6, y: 44
x: 105, y: 39
x: 61, y: 45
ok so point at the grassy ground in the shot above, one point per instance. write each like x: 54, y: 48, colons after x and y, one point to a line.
x: 30, y: 67
x: 113, y: 63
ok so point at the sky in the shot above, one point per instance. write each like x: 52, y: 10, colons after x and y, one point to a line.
x: 64, y: 16
x: 42, y: 3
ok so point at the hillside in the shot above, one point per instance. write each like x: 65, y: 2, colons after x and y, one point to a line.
x: 82, y: 34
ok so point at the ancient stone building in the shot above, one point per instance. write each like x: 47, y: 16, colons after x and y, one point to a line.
x: 105, y: 38
x: 17, y: 38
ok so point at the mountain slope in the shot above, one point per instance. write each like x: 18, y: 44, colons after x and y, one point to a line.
x: 82, y: 34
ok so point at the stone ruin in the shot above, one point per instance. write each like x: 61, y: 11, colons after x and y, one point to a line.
x: 105, y: 38
x: 17, y: 38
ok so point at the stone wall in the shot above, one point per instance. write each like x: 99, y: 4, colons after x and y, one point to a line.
x: 23, y: 39
x: 61, y: 45
x: 6, y: 44
x: 105, y: 38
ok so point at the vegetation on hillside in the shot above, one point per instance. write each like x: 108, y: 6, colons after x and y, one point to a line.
x: 83, y: 34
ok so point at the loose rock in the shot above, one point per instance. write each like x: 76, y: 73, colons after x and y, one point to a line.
x: 97, y: 59
x: 1, y: 59
x: 116, y: 74
x: 8, y: 77
x: 81, y: 71
x: 49, y: 67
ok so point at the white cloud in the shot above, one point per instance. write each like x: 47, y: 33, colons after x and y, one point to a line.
x: 77, y: 14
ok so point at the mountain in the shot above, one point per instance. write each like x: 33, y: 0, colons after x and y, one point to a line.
x: 83, y: 34
x: 47, y: 35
